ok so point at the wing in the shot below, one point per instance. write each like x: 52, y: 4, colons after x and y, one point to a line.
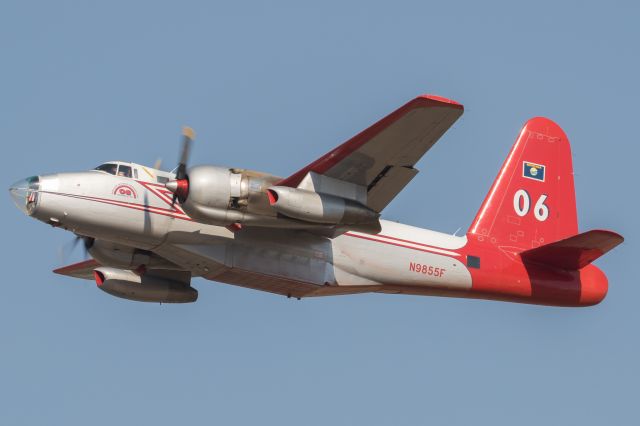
x: 379, y: 160
x: 82, y: 270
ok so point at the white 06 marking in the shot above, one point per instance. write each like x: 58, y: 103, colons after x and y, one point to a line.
x: 540, y: 210
x: 522, y: 203
x: 521, y: 197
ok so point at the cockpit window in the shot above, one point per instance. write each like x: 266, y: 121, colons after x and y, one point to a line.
x: 124, y: 171
x: 108, y: 167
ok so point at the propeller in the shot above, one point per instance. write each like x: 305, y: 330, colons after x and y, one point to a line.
x: 65, y: 250
x: 180, y: 186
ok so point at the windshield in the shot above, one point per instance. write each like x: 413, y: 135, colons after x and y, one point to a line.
x: 107, y: 167
x: 124, y: 171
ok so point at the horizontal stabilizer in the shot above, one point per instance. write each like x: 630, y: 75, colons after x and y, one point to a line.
x: 82, y: 270
x: 575, y: 252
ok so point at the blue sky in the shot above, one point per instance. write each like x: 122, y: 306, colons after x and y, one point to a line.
x: 271, y: 86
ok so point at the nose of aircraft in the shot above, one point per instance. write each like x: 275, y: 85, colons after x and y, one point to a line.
x: 25, y: 194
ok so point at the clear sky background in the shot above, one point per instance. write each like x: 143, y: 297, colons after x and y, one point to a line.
x: 271, y: 86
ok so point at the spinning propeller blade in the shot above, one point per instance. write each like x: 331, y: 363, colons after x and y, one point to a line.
x: 66, y: 249
x: 180, y: 186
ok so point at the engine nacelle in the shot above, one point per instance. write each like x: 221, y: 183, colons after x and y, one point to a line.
x: 171, y: 287
x: 225, y: 196
x: 321, y: 208
x: 222, y: 196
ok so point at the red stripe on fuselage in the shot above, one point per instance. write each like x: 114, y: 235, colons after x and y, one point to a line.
x: 407, y: 241
x: 176, y: 213
x: 434, y: 250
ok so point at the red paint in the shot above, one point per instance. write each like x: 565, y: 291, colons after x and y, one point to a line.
x: 125, y: 190
x: 182, y: 191
x: 574, y: 252
x: 531, y: 253
x: 501, y: 277
x: 507, y: 278
x: 409, y: 241
x: 362, y: 237
x: 529, y: 258
x: 99, y: 276
x: 87, y: 264
x: 333, y: 157
x: 524, y: 257
x: 176, y: 212
x: 594, y: 285
x: 423, y: 269
x: 273, y: 196
x: 234, y: 227
x: 543, y: 142
x: 141, y: 270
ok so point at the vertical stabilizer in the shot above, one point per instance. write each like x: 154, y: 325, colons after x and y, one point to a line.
x: 532, y: 201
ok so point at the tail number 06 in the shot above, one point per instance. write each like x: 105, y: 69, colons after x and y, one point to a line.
x: 522, y: 203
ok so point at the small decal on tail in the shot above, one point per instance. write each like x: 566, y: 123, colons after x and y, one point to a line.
x: 533, y: 171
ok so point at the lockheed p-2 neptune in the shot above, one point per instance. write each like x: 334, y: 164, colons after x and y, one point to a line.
x: 318, y: 232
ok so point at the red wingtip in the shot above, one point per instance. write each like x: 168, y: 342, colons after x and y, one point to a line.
x: 81, y: 265
x: 442, y: 99
x: 334, y: 156
x: 619, y: 239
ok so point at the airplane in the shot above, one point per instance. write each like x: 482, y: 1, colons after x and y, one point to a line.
x: 318, y: 232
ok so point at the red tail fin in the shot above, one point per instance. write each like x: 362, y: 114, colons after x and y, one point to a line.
x: 532, y: 201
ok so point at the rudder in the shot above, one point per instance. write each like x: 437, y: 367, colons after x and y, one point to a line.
x: 532, y: 200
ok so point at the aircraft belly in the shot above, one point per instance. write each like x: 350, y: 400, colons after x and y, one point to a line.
x: 288, y: 263
x: 300, y: 264
x: 275, y: 261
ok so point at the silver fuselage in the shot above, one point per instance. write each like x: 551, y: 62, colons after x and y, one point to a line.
x: 138, y: 213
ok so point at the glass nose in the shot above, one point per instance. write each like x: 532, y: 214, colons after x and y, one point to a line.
x: 25, y: 194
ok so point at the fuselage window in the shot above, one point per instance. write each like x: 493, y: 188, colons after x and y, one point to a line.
x: 107, y: 167
x: 124, y: 171
x: 162, y: 179
x: 135, y: 173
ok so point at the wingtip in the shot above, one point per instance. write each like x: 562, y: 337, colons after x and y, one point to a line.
x: 441, y: 99
x: 612, y: 234
x: 70, y: 268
